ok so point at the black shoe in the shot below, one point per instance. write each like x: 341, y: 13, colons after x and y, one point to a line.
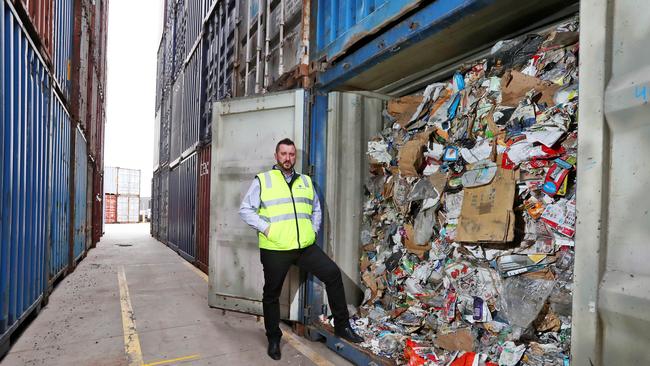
x: 349, y: 335
x: 274, y: 350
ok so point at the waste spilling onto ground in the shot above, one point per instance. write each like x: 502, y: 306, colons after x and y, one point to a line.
x: 469, y: 215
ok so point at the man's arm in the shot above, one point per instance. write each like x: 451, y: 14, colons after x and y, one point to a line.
x: 249, y: 207
x: 316, y: 214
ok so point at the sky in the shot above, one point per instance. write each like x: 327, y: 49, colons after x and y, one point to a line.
x: 134, y: 31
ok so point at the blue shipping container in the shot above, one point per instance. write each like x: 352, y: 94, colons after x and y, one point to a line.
x: 341, y: 23
x: 60, y: 190
x: 80, y: 188
x: 24, y: 164
x: 63, y: 22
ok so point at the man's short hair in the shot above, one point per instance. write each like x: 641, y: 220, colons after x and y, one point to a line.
x: 286, y: 141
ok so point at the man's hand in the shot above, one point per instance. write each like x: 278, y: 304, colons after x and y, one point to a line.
x: 266, y: 232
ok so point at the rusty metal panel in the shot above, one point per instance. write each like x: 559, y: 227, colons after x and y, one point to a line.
x: 80, y: 194
x: 40, y: 13
x: 203, y: 210
x: 79, y: 67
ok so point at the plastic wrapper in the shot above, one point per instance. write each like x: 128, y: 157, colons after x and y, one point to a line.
x: 524, y: 298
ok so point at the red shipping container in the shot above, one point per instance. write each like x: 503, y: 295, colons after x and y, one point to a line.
x: 110, y: 208
x: 40, y: 15
x: 203, y: 214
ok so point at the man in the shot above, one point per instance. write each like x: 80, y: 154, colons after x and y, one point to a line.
x: 283, y: 207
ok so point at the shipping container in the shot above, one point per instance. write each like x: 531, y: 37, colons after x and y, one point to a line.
x: 187, y: 185
x: 25, y: 165
x: 165, y: 131
x: 203, y: 210
x: 156, y: 141
x: 192, y: 99
x: 80, y: 194
x: 180, y: 48
x: 121, y: 181
x: 110, y: 208
x: 40, y: 17
x: 194, y: 25
x: 128, y: 181
x: 163, y: 223
x: 128, y: 209
x: 62, y: 50
x: 155, y: 204
x: 173, y: 208
x: 80, y: 66
x: 219, y: 59
x: 176, y: 122
x: 168, y: 37
x: 98, y: 205
x: 90, y: 182
x: 110, y: 180
x: 160, y: 72
x: 611, y: 297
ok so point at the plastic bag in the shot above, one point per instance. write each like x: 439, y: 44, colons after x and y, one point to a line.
x: 524, y: 298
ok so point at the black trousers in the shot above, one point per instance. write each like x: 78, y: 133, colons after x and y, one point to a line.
x: 311, y: 259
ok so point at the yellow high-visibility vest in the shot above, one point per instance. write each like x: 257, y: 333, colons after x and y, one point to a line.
x: 288, y: 210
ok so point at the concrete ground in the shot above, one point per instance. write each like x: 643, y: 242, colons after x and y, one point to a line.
x: 133, y: 301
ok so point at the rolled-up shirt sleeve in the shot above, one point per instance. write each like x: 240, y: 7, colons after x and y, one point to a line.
x: 250, y: 205
x: 316, y: 214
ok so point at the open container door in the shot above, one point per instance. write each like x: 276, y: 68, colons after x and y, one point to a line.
x: 245, y: 132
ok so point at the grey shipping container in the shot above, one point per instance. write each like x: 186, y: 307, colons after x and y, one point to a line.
x: 163, y: 224
x: 128, y: 181
x: 128, y: 209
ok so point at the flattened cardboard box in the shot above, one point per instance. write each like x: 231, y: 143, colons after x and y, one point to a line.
x: 487, y: 215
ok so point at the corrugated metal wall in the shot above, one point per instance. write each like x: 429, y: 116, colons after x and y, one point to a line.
x: 24, y: 162
x: 44, y: 156
x: 110, y: 208
x: 176, y: 120
x: 40, y: 14
x: 173, y: 219
x: 163, y: 225
x: 63, y: 22
x: 61, y: 162
x: 186, y: 207
x: 192, y: 101
x: 80, y: 194
x: 203, y: 210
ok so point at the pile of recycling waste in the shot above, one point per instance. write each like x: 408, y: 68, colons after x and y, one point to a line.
x: 469, y: 216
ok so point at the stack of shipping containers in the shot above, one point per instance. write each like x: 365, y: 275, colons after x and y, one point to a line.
x: 53, y: 77
x: 380, y: 49
x: 212, y: 50
x: 121, y: 195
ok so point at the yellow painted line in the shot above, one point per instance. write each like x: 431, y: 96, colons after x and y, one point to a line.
x: 290, y: 337
x: 186, y: 358
x: 297, y: 343
x: 197, y: 271
x: 131, y: 338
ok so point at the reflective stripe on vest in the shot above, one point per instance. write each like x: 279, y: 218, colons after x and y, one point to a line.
x: 287, y: 209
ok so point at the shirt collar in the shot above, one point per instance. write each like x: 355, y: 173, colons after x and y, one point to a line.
x: 293, y: 172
